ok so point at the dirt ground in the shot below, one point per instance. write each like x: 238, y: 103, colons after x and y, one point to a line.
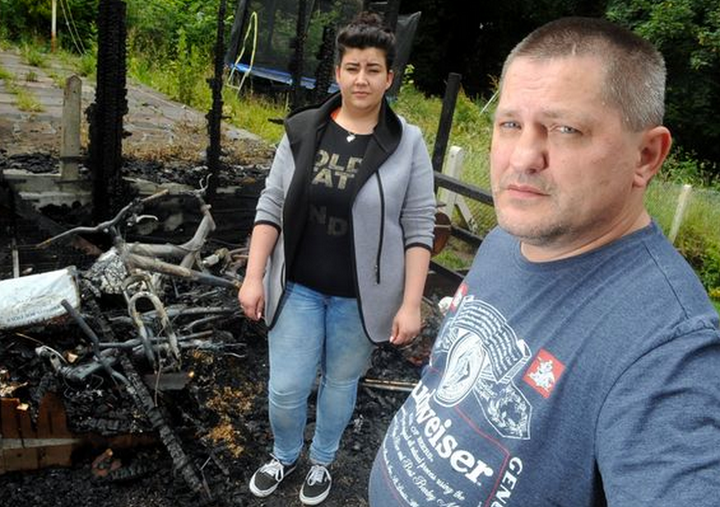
x: 220, y: 416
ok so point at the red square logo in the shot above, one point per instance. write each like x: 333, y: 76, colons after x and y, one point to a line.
x: 544, y: 373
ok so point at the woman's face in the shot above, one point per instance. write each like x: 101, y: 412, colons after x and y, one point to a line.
x: 363, y: 78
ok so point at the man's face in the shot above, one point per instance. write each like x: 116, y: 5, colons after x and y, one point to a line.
x: 363, y: 77
x: 562, y: 163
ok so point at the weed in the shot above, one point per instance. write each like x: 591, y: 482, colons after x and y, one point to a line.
x: 6, y: 75
x: 86, y: 65
x: 33, y: 55
x: 254, y: 112
x: 31, y: 76
x: 57, y: 79
x: 26, y: 101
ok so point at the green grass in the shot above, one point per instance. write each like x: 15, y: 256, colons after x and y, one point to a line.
x: 6, y: 75
x: 33, y: 55
x: 456, y: 255
x: 253, y: 113
x: 185, y: 80
x: 26, y: 101
x: 84, y: 65
x: 57, y: 79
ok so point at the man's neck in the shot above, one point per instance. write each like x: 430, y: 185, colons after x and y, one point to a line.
x: 577, y: 246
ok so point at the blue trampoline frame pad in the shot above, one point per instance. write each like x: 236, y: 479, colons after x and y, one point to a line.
x: 279, y: 76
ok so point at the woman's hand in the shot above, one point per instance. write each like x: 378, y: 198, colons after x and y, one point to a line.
x: 252, y: 298
x: 252, y: 294
x: 406, y: 325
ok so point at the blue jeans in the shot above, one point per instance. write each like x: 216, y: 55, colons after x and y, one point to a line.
x: 314, y: 330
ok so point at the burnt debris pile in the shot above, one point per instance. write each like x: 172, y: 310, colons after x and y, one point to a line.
x: 131, y: 378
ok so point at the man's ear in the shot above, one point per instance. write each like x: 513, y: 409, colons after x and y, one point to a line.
x: 654, y: 148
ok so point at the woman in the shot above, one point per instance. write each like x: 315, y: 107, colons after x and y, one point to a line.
x: 339, y: 252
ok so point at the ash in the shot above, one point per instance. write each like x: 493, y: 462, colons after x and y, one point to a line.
x: 213, y: 399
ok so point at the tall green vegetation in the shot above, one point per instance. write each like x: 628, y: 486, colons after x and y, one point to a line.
x: 170, y: 45
x: 23, y: 20
x: 687, y: 32
x: 156, y: 26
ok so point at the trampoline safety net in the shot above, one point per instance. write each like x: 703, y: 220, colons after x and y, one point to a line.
x: 263, y: 31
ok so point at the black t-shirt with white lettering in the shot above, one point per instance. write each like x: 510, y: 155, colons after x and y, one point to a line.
x: 323, y: 260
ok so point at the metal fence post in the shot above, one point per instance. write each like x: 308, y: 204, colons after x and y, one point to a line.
x: 446, y: 119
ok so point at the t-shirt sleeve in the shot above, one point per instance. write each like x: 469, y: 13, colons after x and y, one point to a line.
x: 658, y: 434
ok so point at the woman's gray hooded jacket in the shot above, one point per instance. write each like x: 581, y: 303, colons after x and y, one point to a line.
x: 393, y: 209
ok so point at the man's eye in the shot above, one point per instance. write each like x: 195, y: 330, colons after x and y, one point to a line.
x: 565, y: 129
x: 509, y: 124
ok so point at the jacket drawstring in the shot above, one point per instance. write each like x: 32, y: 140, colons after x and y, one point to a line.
x: 382, y: 229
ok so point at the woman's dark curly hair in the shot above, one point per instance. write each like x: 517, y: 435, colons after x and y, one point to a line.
x: 366, y: 30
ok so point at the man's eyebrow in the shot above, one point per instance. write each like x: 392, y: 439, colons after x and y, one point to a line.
x: 552, y: 114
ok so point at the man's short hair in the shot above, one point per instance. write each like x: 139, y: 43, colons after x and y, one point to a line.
x: 635, y: 69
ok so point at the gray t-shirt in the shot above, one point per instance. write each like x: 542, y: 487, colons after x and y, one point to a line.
x: 588, y: 381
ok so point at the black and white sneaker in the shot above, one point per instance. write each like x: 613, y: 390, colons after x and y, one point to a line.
x: 316, y: 487
x: 269, y: 476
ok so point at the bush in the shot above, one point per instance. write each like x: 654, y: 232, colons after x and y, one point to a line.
x: 703, y: 254
x: 23, y: 20
x: 683, y: 167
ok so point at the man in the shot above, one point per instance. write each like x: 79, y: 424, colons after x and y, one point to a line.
x: 579, y: 363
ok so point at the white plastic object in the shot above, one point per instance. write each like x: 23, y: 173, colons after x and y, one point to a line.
x: 36, y: 298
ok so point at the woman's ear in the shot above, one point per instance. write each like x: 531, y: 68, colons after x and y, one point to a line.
x: 390, y: 77
x: 654, y: 148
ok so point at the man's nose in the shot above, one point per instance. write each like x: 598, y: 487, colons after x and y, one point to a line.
x: 530, y: 150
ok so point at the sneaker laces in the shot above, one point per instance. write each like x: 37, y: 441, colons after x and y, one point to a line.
x: 317, y: 475
x: 274, y: 469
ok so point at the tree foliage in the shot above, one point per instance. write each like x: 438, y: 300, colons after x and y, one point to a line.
x: 474, y: 38
x: 687, y: 32
x: 20, y: 19
x: 471, y: 38
x: 156, y: 26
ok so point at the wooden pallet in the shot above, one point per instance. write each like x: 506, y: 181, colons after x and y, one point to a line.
x: 28, y: 446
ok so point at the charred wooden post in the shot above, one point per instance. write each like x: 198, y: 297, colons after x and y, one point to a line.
x: 214, y: 116
x: 105, y: 115
x: 446, y: 117
x: 326, y: 63
x: 297, y: 60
